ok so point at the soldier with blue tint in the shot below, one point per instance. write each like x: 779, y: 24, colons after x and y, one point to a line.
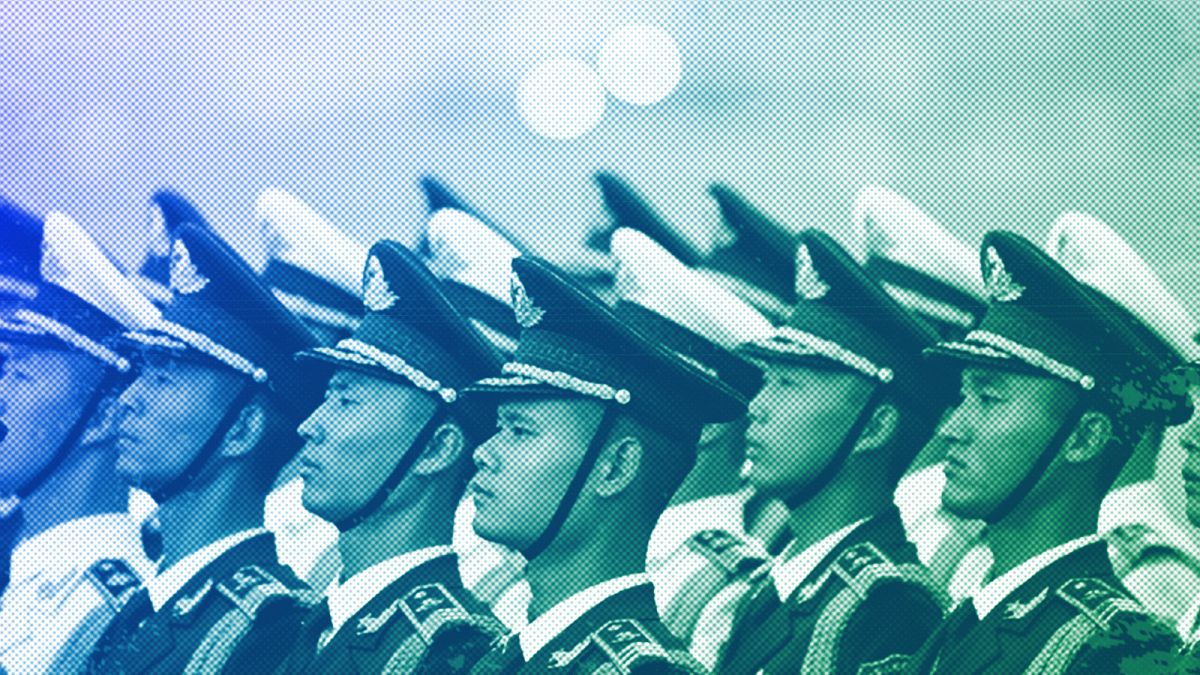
x: 76, y: 554
x: 204, y: 429
x: 596, y: 427
x: 386, y: 458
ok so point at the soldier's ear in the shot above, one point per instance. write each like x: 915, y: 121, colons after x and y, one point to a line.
x: 618, y: 466
x: 880, y: 429
x: 443, y: 451
x: 246, y: 433
x: 1091, y: 436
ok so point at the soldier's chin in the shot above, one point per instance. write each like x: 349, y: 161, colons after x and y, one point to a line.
x: 958, y: 502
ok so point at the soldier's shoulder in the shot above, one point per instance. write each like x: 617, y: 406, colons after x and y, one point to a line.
x: 446, y: 629
x: 629, y: 646
x: 1109, y: 631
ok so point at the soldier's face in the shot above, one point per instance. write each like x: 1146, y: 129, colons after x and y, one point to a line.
x: 42, y: 394
x: 522, y: 471
x: 1190, y: 441
x: 354, y: 440
x: 797, y: 422
x: 995, y: 434
x: 165, y: 417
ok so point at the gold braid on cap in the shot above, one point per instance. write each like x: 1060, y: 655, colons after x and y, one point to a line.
x: 360, y: 352
x: 1034, y: 357
x: 788, y: 340
x: 32, y: 323
x: 201, y: 343
x: 567, y: 381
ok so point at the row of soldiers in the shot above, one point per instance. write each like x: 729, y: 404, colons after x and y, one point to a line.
x: 780, y: 454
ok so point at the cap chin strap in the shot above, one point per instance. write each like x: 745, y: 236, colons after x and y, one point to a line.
x: 590, y: 457
x: 843, y: 452
x: 108, y: 383
x: 200, y: 462
x: 1038, y: 469
x: 399, y: 471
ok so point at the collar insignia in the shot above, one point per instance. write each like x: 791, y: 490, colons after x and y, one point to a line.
x: 1000, y: 284
x: 377, y: 295
x: 528, y: 314
x: 808, y: 283
x: 371, y: 624
x: 185, y: 278
x: 1017, y: 610
x: 187, y: 604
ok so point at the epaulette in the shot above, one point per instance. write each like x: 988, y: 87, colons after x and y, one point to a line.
x: 443, y: 629
x: 628, y: 647
x: 1097, y: 604
x: 861, y: 568
x: 727, y: 559
x: 249, y: 589
x: 115, y: 580
x: 728, y: 552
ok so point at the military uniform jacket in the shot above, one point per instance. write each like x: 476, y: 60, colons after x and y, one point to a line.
x: 231, y: 617
x: 424, y: 622
x: 865, y: 608
x: 620, y: 634
x: 68, y: 583
x: 1073, y: 616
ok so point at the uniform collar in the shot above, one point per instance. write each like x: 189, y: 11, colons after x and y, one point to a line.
x: 164, y: 585
x: 348, y: 597
x: 546, y: 627
x: 995, y: 591
x: 793, y: 568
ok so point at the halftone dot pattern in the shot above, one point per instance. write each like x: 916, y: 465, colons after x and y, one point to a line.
x: 988, y: 115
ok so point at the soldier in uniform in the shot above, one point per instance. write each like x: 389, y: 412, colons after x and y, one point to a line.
x: 79, y: 555
x: 845, y: 407
x: 1149, y: 542
x: 926, y: 269
x: 386, y: 458
x: 1058, y: 383
x: 596, y: 428
x: 699, y: 548
x: 473, y: 263
x: 205, y: 428
x: 314, y: 269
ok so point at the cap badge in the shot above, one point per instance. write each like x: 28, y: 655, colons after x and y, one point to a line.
x: 528, y: 314
x: 185, y: 278
x: 1000, y: 284
x: 808, y: 283
x: 377, y: 295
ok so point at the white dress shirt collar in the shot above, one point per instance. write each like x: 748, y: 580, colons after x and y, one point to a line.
x: 792, y: 569
x: 348, y: 597
x: 996, y: 590
x: 546, y: 627
x: 164, y: 585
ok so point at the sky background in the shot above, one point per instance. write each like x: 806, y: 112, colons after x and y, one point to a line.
x: 988, y: 114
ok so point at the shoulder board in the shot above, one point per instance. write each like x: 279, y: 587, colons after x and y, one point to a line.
x: 628, y: 647
x: 250, y: 587
x: 1097, y: 600
x: 115, y: 580
x: 727, y: 551
x: 434, y: 612
x: 861, y: 567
